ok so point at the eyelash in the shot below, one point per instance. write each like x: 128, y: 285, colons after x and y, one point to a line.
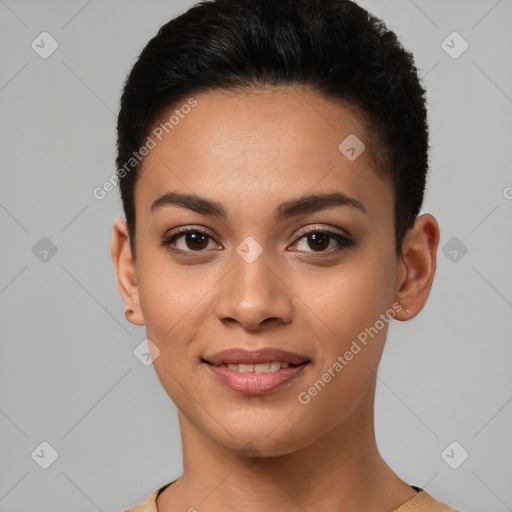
x: 343, y: 241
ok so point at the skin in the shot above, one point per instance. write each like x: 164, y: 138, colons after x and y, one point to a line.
x: 251, y: 152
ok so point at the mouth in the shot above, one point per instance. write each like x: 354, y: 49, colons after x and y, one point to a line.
x: 255, y: 372
x: 241, y: 356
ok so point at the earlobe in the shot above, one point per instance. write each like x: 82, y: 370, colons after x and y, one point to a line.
x: 125, y: 270
x: 417, y: 266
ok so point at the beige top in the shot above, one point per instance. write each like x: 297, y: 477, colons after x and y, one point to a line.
x: 422, y: 501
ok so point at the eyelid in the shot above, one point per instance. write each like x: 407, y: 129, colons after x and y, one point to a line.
x: 190, y: 228
x: 325, y: 228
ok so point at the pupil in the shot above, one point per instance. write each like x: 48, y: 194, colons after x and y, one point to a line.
x: 319, y: 240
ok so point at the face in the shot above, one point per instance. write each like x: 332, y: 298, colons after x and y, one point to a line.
x: 263, y: 265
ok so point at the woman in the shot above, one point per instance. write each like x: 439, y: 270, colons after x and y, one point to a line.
x: 272, y: 159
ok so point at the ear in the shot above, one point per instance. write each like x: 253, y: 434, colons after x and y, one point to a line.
x: 126, y: 271
x: 417, y: 266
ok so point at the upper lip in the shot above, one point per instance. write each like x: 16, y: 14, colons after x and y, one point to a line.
x: 262, y: 355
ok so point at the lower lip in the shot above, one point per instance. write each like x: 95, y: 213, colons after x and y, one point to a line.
x: 256, y: 383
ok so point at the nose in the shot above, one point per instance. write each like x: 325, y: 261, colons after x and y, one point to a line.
x: 254, y: 295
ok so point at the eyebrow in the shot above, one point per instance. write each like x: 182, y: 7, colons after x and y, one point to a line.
x: 292, y: 207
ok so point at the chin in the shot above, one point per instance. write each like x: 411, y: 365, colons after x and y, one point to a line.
x: 250, y: 440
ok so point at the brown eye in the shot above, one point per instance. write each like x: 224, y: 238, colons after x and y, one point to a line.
x: 188, y: 240
x: 321, y: 242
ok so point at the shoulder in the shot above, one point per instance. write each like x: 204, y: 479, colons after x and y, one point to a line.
x: 150, y: 504
x: 424, y: 502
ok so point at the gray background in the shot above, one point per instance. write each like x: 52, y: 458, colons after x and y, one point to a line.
x: 68, y: 374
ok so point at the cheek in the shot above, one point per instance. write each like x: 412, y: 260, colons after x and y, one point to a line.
x: 173, y: 303
x: 344, y: 302
x: 170, y: 294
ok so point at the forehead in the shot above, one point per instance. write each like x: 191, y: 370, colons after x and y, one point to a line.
x: 259, y: 145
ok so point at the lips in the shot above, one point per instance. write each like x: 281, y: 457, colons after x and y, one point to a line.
x: 260, y: 356
x: 255, y: 372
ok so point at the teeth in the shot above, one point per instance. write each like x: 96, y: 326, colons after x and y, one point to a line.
x: 261, y: 367
x: 275, y: 365
x: 272, y: 366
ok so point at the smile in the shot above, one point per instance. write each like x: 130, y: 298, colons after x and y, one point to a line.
x: 255, y: 372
